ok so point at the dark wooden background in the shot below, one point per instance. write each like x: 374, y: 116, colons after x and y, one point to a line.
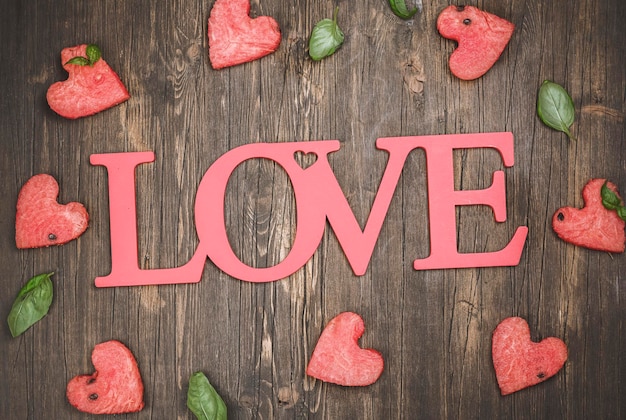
x: 253, y: 341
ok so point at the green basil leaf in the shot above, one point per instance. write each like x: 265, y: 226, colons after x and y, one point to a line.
x: 399, y: 9
x: 555, y: 107
x: 203, y: 400
x: 610, y: 200
x: 326, y: 38
x: 93, y: 54
x: 78, y: 60
x: 31, y: 304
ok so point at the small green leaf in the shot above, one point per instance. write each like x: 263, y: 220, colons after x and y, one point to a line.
x: 610, y: 200
x: 326, y: 38
x: 31, y: 304
x: 93, y: 54
x: 203, y: 400
x: 555, y: 107
x: 399, y: 9
x: 78, y: 60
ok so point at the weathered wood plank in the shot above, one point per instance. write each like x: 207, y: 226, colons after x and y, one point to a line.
x: 390, y: 78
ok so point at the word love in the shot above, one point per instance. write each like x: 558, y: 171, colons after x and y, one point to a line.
x: 319, y: 198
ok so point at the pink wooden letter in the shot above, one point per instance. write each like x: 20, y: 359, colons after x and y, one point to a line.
x: 310, y: 217
x: 442, y: 199
x: 358, y: 245
x: 125, y: 269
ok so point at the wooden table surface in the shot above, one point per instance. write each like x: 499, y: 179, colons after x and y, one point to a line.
x: 253, y: 341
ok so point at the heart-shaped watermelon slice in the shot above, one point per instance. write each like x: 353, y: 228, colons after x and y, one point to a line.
x: 481, y: 38
x: 337, y: 357
x: 236, y: 38
x: 520, y: 362
x: 593, y: 226
x: 41, y: 221
x: 92, y: 86
x: 114, y: 388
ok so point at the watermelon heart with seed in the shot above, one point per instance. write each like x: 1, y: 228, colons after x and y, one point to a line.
x: 236, y: 38
x: 337, y: 357
x: 90, y: 88
x: 41, y: 221
x: 481, y: 38
x: 114, y: 388
x: 593, y: 226
x: 520, y: 362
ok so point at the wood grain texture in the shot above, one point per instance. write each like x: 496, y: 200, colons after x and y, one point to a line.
x: 253, y: 341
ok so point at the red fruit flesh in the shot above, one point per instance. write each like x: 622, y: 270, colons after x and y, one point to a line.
x: 88, y: 90
x: 337, y: 357
x: 115, y: 387
x: 481, y: 38
x: 41, y: 221
x: 519, y: 362
x: 593, y: 226
x: 235, y: 38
